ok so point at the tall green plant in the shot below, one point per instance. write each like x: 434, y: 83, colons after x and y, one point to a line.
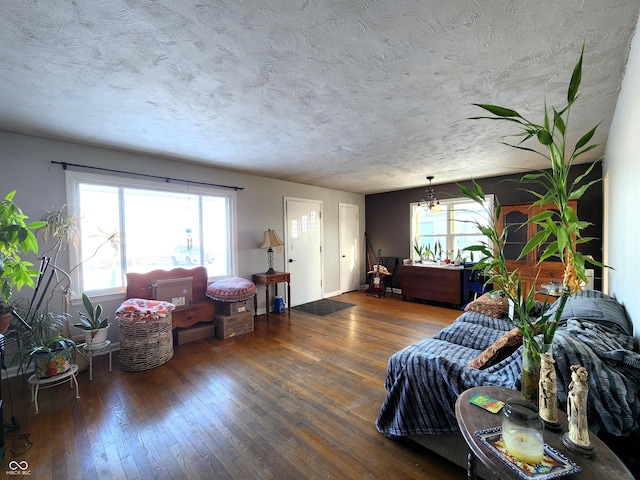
x: 493, y: 262
x: 560, y: 223
x: 16, y: 238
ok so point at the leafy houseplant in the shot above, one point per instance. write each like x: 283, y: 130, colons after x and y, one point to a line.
x: 95, y: 328
x: 45, y: 346
x: 54, y: 356
x: 559, y: 223
x: 16, y: 238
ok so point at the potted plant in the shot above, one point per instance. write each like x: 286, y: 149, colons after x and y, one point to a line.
x: 95, y: 328
x: 419, y: 249
x: 16, y: 238
x: 53, y: 356
x: 44, y: 345
x: 559, y: 223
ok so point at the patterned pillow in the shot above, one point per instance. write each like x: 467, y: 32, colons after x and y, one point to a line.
x: 498, y: 350
x: 493, y: 307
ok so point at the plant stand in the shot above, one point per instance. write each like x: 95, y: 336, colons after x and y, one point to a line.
x: 37, y: 383
x: 94, y: 350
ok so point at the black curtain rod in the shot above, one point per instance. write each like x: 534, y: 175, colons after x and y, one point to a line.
x: 166, y: 179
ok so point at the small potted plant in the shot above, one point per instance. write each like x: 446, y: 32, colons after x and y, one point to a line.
x: 95, y: 328
x: 419, y: 249
x: 53, y: 356
x: 44, y: 345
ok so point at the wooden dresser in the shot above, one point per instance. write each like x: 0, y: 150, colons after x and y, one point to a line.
x: 437, y: 283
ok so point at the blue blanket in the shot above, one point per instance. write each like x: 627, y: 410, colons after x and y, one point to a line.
x: 424, y: 379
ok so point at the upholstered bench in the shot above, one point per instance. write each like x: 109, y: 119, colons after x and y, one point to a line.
x: 146, y: 340
x: 231, y: 290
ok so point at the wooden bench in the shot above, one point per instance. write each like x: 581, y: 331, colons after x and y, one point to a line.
x: 202, y: 309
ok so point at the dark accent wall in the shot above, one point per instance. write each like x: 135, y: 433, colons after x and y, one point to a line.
x: 387, y: 214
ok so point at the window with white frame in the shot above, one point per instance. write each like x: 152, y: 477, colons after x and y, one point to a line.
x: 451, y: 223
x: 158, y: 225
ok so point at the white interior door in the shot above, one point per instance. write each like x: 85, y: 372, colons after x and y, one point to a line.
x: 304, y: 249
x: 349, y: 248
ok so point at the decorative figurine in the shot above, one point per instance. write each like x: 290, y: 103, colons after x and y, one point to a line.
x: 547, y: 397
x: 577, y: 438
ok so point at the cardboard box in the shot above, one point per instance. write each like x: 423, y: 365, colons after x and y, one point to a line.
x: 175, y: 290
x: 197, y: 332
x: 233, y: 325
x: 231, y: 308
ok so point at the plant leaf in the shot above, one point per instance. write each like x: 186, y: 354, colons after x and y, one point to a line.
x: 576, y: 78
x: 498, y: 111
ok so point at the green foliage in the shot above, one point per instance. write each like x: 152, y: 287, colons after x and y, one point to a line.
x: 91, y: 319
x: 45, y: 336
x: 16, y: 238
x: 560, y: 221
x: 493, y: 262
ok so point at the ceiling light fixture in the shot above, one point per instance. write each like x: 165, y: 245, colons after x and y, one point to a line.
x: 430, y: 200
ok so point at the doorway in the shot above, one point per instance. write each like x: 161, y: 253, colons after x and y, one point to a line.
x: 349, y: 231
x: 303, y: 242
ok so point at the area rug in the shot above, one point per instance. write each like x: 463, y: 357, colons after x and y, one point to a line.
x: 323, y: 307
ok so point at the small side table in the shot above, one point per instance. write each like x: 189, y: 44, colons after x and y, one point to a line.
x: 37, y: 383
x: 267, y: 279
x: 95, y: 350
x: 472, y: 418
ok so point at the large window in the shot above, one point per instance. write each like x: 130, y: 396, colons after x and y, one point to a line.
x: 452, y: 224
x: 159, y: 226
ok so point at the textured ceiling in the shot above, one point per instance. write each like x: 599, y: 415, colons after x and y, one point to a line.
x: 363, y: 96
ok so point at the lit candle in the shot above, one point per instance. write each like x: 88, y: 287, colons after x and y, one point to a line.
x: 522, y: 431
x: 526, y: 446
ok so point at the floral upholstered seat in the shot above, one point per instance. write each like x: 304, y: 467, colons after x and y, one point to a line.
x: 233, y: 289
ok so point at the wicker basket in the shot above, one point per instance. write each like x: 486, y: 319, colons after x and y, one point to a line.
x: 145, y: 343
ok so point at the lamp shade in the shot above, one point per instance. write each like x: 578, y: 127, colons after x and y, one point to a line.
x: 271, y: 239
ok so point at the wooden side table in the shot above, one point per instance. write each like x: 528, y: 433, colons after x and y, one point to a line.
x: 267, y: 279
x: 472, y: 418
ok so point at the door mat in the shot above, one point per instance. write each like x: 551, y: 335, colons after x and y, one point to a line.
x: 323, y: 307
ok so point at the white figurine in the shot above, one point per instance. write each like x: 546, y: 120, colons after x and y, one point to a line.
x: 547, y: 398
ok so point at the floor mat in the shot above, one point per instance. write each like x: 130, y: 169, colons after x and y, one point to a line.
x: 323, y: 307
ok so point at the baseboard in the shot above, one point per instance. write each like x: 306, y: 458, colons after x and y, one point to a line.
x: 332, y: 294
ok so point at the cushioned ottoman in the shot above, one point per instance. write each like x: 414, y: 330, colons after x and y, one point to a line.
x: 145, y: 327
x: 233, y: 289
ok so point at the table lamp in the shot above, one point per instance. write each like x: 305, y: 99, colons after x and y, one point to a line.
x: 271, y: 240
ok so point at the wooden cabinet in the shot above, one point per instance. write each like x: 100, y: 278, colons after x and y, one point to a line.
x: 433, y: 282
x: 513, y: 217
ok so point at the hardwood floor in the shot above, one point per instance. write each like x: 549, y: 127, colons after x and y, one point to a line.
x: 295, y: 399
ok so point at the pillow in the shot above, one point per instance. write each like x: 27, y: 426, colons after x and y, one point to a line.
x: 493, y: 307
x: 498, y: 350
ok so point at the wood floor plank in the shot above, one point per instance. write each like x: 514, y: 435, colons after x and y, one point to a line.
x: 296, y: 398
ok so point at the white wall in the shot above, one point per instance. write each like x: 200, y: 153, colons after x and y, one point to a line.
x: 25, y: 166
x: 621, y: 170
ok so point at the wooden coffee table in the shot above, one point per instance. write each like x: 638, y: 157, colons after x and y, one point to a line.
x: 472, y: 418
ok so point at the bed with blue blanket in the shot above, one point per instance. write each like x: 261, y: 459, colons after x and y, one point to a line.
x: 424, y: 379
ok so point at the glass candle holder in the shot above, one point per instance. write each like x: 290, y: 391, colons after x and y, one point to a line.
x: 522, y: 431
